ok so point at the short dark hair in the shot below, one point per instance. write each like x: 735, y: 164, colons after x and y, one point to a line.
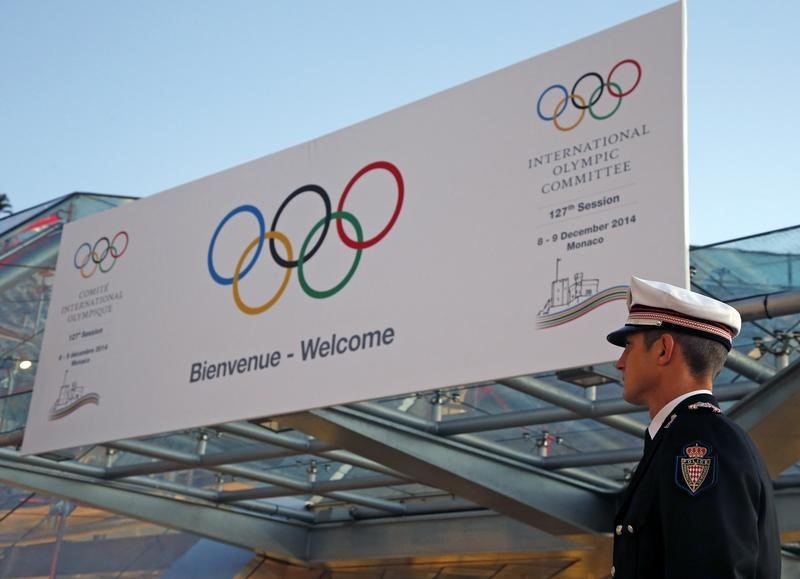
x: 702, y: 355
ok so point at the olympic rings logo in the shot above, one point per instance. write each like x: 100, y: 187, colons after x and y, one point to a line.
x: 581, y: 103
x: 246, y: 261
x: 101, y: 256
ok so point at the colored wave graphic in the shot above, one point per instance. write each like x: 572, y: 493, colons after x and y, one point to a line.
x: 611, y: 294
x: 57, y: 412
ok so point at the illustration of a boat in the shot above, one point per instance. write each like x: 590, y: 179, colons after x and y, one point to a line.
x: 70, y: 398
x: 572, y: 298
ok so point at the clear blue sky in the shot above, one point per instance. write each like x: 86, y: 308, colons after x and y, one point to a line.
x: 132, y: 97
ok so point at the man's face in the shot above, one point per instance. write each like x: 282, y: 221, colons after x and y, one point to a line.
x: 637, y: 366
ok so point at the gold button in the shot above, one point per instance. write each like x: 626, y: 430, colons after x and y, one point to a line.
x: 618, y: 530
x: 630, y: 529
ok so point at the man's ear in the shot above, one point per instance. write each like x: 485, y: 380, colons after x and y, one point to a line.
x: 665, y: 349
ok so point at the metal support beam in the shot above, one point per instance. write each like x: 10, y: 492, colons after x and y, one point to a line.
x: 259, y: 434
x: 96, y: 473
x: 282, y: 540
x: 583, y: 407
x: 602, y: 457
x: 272, y: 446
x: 770, y: 416
x: 216, y: 498
x: 787, y: 481
x: 558, y: 505
x: 466, y: 534
x: 205, y: 461
x: 565, y: 464
x: 768, y: 306
x: 327, y: 488
x: 724, y: 392
x: 787, y: 503
x: 503, y: 420
x: 64, y: 466
x: 383, y: 411
x: 160, y: 452
x: 749, y: 368
x: 309, y: 489
x: 299, y: 487
x: 12, y: 438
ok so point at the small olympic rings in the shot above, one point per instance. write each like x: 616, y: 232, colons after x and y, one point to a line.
x: 253, y: 251
x: 102, y: 255
x: 576, y: 98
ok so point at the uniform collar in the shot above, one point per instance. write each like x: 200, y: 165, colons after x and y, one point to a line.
x: 662, y: 414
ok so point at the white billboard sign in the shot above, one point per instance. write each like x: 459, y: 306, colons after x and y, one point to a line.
x: 484, y: 232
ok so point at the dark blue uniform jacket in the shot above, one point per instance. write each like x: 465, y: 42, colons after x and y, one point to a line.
x: 700, y: 504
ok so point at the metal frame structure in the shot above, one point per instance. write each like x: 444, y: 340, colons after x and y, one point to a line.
x: 432, y: 477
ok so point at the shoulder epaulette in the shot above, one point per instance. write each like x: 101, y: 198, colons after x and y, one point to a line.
x: 705, y: 406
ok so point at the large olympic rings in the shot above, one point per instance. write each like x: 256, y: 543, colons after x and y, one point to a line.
x: 581, y: 103
x: 246, y: 261
x: 102, y: 255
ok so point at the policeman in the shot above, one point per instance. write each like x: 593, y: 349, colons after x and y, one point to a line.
x: 700, y: 504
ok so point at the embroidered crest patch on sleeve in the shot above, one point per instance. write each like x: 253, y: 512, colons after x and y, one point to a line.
x: 696, y: 469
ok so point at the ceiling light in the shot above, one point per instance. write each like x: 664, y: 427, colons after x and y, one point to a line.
x: 585, y: 377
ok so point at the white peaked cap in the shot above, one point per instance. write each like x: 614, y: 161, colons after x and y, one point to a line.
x: 657, y: 305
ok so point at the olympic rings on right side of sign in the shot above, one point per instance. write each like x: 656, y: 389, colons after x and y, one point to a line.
x: 579, y: 100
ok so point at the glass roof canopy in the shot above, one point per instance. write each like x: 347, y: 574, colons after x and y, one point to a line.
x: 573, y: 425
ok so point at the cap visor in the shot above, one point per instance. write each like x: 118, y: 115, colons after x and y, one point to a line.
x: 617, y: 337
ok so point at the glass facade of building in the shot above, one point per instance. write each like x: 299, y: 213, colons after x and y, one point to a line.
x: 570, y: 425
